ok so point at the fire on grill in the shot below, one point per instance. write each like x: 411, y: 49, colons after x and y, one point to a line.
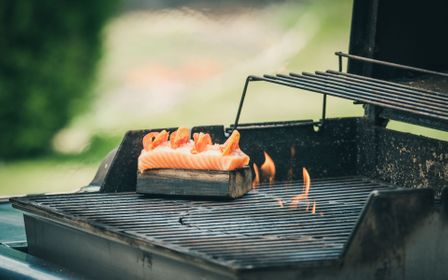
x: 338, y: 198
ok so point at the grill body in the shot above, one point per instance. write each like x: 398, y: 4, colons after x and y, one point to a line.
x: 342, y: 147
x: 376, y: 217
x: 381, y: 195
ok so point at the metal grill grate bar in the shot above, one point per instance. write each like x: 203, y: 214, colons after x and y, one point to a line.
x: 432, y: 102
x: 396, y: 87
x: 251, y: 231
x: 361, y: 93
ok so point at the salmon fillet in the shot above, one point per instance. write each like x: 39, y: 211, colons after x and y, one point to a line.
x: 193, y: 154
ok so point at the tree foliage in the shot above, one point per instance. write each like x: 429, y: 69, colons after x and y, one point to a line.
x: 49, y: 52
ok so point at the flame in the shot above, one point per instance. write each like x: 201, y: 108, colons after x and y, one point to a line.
x: 280, y: 202
x: 314, y: 208
x: 296, y: 200
x: 256, y: 180
x: 268, y: 168
x: 306, y: 189
x: 306, y: 181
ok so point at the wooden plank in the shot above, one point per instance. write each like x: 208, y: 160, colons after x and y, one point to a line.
x: 198, y: 183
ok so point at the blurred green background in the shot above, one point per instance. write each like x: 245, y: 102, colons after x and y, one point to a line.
x: 75, y: 77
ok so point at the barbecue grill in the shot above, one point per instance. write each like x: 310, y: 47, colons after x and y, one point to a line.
x: 380, y: 196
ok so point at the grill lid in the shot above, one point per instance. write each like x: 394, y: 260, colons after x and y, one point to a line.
x: 415, y: 37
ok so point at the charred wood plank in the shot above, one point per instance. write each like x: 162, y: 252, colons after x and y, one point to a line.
x: 199, y: 183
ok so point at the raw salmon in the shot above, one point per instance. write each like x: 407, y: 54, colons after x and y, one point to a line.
x: 182, y: 153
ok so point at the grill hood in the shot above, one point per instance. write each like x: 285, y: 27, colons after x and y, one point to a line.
x: 409, y: 32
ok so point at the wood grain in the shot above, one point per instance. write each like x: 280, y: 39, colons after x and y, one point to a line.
x: 198, y: 183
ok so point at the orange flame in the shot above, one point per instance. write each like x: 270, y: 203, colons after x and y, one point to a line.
x: 268, y: 168
x: 314, y: 208
x: 256, y: 180
x: 306, y: 181
x: 280, y: 202
x: 306, y: 189
x: 296, y: 200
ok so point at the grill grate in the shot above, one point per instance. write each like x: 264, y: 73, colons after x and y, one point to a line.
x: 253, y: 231
x: 368, y: 90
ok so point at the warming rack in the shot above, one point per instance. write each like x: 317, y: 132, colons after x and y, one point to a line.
x: 428, y: 105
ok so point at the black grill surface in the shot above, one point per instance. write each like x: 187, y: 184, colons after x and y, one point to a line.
x: 251, y: 232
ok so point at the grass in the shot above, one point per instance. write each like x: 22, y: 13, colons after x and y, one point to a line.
x: 43, y: 175
x: 56, y: 172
